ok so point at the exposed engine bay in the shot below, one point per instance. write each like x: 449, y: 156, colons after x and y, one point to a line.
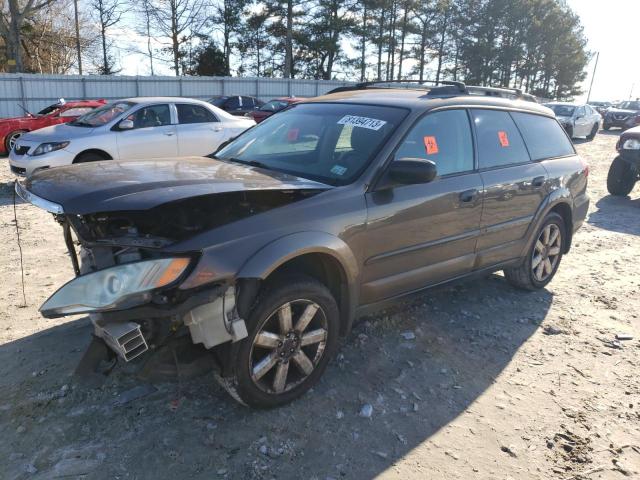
x: 97, y: 242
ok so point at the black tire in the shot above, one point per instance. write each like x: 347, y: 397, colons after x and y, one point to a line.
x: 621, y: 178
x: 523, y: 276
x: 286, y: 290
x: 594, y: 132
x: 11, y: 137
x: 90, y: 157
x: 606, y: 127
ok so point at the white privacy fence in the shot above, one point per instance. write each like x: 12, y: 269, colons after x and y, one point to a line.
x: 35, y: 92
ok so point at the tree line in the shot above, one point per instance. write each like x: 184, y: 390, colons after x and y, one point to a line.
x: 536, y: 45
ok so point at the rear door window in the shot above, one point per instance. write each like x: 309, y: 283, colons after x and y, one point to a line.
x: 247, y: 102
x: 442, y: 137
x: 499, y: 141
x: 545, y: 138
x: 194, y: 114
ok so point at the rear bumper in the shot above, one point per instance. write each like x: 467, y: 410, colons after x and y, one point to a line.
x: 580, y: 209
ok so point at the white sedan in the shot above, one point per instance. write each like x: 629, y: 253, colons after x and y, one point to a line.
x: 129, y: 129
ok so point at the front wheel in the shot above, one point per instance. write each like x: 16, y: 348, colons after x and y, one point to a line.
x: 621, y: 178
x: 293, y: 333
x: 606, y: 127
x: 10, y: 140
x: 543, y: 258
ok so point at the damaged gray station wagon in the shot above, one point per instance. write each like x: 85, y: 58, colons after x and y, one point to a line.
x: 267, y: 251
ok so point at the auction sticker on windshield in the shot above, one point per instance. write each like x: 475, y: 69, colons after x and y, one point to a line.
x: 363, y: 122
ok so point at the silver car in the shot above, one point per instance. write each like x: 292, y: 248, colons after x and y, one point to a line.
x: 579, y: 120
x: 135, y: 128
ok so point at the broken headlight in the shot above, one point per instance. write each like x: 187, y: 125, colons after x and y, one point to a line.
x: 116, y: 287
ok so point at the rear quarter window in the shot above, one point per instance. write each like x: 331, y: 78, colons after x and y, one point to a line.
x: 544, y: 137
x: 499, y: 141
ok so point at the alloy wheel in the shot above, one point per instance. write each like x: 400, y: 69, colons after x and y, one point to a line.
x: 12, y: 140
x: 546, y: 252
x: 296, y: 333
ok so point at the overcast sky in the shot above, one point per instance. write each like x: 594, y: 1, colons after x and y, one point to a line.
x: 612, y: 29
x: 610, y: 25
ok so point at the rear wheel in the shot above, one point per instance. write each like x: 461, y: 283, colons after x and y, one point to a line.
x: 10, y: 140
x: 593, y: 133
x: 621, y: 178
x: 293, y: 333
x: 544, y: 256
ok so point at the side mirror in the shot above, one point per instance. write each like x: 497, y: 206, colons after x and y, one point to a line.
x: 125, y: 125
x: 409, y: 171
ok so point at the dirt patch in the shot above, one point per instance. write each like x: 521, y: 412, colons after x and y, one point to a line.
x: 473, y: 381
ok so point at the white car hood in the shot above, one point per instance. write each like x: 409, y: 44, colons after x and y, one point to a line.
x: 57, y: 133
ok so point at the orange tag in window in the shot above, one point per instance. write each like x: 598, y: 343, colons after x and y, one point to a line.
x: 504, y: 139
x: 431, y: 145
x: 292, y: 135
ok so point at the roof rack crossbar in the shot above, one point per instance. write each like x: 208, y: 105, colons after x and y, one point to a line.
x: 460, y: 85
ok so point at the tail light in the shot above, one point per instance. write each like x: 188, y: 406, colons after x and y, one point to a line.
x: 585, y: 166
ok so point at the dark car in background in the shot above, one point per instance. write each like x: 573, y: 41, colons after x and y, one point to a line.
x: 624, y: 171
x: 272, y: 106
x: 601, y: 107
x: 626, y: 115
x: 267, y: 251
x: 236, y: 104
x: 60, y: 112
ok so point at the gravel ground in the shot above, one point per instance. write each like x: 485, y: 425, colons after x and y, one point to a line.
x: 473, y: 381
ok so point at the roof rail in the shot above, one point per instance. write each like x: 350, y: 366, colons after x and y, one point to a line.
x: 500, y: 92
x: 443, y: 88
x: 459, y: 87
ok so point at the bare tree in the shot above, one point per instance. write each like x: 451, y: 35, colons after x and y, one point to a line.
x: 13, y: 15
x: 145, y: 28
x: 179, y: 21
x: 108, y: 13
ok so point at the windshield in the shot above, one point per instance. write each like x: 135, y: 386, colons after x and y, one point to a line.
x: 103, y: 115
x: 49, y: 110
x: 562, y: 110
x: 274, y: 105
x: 630, y: 106
x: 326, y: 142
x: 218, y: 101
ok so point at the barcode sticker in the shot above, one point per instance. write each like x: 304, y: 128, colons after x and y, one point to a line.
x: 363, y: 122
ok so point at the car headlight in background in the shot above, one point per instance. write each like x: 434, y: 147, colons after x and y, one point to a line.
x: 49, y: 147
x: 631, y: 144
x: 116, y: 287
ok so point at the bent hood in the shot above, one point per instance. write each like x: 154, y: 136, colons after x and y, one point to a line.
x: 57, y: 133
x: 110, y: 186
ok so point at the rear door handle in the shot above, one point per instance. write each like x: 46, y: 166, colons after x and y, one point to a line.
x: 538, y: 181
x: 468, y: 195
x: 168, y: 134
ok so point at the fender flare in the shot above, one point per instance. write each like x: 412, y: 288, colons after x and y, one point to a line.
x: 273, y: 255
x: 559, y: 196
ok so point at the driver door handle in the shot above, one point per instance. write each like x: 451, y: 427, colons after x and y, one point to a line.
x: 169, y: 133
x: 468, y: 196
x: 538, y: 181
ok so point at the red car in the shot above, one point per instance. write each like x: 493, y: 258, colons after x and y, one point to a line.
x: 61, y: 112
x: 272, y: 106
